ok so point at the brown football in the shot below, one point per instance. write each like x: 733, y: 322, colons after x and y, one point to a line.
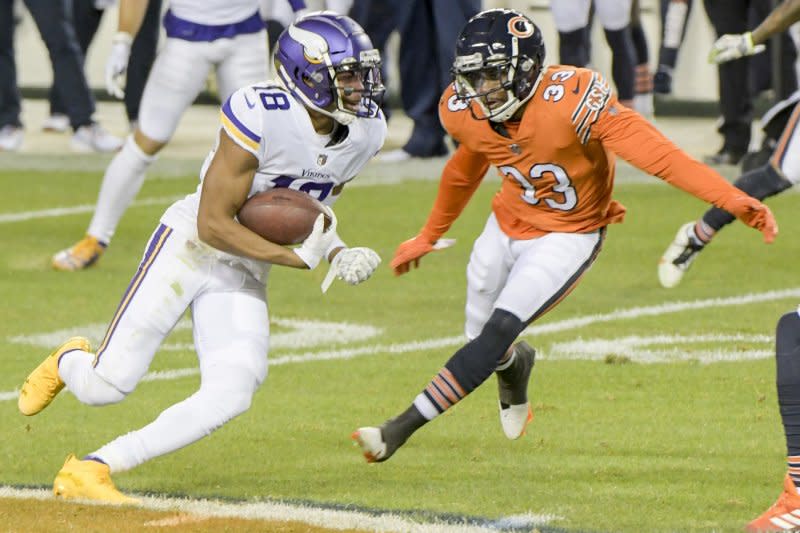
x: 282, y: 216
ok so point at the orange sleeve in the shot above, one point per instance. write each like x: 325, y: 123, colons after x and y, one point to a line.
x: 460, y: 178
x: 634, y: 139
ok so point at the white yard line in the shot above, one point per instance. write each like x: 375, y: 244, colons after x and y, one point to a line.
x: 590, y: 351
x: 639, y: 349
x: 337, y: 519
x: 318, y: 516
x: 22, y: 216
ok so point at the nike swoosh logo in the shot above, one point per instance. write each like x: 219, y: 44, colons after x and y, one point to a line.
x: 250, y: 105
x: 577, y: 88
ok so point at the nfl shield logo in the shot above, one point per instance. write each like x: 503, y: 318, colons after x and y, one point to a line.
x: 322, y: 159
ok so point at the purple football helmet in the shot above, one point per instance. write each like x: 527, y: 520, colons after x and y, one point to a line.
x: 317, y: 48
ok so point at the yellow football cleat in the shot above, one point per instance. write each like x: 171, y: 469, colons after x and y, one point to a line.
x: 88, y: 480
x: 44, y: 383
x: 82, y: 254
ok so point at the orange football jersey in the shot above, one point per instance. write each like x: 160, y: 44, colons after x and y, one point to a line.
x: 557, y: 163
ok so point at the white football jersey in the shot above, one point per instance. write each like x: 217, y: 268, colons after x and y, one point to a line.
x: 268, y: 122
x: 214, y: 12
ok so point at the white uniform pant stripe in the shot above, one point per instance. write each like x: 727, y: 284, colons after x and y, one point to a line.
x: 154, y: 246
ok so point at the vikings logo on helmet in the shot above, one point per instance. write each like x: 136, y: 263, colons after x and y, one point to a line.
x: 317, y: 48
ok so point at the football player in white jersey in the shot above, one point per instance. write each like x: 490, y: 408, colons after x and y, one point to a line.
x: 312, y: 129
x: 227, y: 35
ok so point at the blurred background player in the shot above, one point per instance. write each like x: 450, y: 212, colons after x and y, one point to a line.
x: 674, y: 17
x: 572, y: 21
x: 227, y: 35
x: 86, y: 18
x: 54, y: 21
x: 428, y: 31
x: 741, y: 79
x: 643, y: 77
x: 273, y: 134
x: 278, y: 14
x: 551, y: 132
x: 778, y: 174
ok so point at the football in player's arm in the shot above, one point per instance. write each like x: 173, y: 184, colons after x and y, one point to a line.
x: 311, y: 134
x: 552, y: 133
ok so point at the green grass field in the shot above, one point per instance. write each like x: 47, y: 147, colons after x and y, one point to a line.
x: 618, y: 443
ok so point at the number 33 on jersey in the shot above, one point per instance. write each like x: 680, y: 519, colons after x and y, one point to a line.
x: 557, y: 162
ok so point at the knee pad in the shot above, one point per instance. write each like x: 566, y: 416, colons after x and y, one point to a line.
x: 476, y: 361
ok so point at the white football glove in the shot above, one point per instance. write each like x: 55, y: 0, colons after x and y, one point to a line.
x: 313, y: 249
x: 117, y: 64
x: 730, y: 47
x: 352, y: 265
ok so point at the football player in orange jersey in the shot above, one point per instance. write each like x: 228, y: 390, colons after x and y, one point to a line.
x: 552, y: 133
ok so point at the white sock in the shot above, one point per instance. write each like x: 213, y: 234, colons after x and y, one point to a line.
x: 121, y: 183
x: 425, y: 407
x: 75, y: 368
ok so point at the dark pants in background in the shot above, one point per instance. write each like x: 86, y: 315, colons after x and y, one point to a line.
x: 739, y: 80
x: 53, y: 22
x: 86, y: 19
x: 428, y: 32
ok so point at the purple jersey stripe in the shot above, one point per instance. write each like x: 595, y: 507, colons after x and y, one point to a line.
x: 155, y: 245
x: 226, y: 109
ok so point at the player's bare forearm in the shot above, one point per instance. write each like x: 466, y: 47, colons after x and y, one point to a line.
x: 781, y: 18
x: 226, y: 186
x: 229, y: 236
x: 131, y: 15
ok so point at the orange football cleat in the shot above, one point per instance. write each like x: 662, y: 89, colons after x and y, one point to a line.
x: 784, y: 515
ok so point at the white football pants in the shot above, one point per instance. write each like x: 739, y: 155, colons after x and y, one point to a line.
x: 570, y: 15
x: 524, y: 277
x: 180, y: 72
x: 231, y: 337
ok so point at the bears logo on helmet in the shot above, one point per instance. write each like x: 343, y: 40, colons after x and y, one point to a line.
x: 499, y: 57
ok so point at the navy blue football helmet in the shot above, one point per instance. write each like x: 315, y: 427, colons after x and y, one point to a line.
x: 498, y: 50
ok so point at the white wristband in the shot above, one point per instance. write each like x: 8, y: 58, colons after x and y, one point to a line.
x: 122, y: 37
